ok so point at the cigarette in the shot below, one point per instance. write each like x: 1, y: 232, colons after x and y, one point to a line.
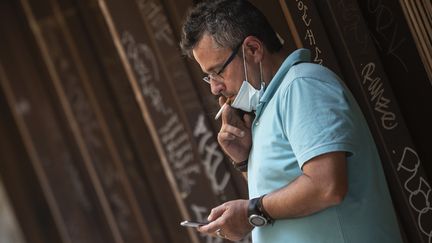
x: 220, y: 111
x: 227, y: 102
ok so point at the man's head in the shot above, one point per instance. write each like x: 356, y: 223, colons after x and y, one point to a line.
x: 216, y: 31
x: 229, y: 22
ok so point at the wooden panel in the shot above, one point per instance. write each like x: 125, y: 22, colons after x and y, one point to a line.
x: 89, y: 130
x: 91, y: 158
x: 139, y: 151
x: 140, y: 147
x: 53, y: 164
x: 405, y: 70
x: 179, y: 129
x: 308, y: 32
x: 419, y: 16
x: 21, y: 182
x: 39, y: 126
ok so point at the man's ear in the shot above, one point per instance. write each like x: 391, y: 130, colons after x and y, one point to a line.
x: 254, y: 48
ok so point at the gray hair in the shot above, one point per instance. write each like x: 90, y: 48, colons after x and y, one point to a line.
x: 229, y: 22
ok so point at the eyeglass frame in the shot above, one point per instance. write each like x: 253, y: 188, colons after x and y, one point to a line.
x: 208, y: 79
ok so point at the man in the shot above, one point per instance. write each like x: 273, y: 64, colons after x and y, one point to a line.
x: 313, y: 171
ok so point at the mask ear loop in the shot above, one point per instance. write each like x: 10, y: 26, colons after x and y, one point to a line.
x: 261, y: 73
x: 262, y: 77
x: 244, y: 64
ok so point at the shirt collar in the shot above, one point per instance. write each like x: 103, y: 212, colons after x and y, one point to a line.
x: 300, y: 55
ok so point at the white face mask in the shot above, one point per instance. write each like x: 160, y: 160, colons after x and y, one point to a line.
x: 248, y: 97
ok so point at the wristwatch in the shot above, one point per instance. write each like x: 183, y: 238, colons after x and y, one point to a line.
x: 257, y: 215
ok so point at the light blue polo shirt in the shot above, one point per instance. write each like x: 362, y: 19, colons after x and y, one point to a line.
x: 304, y: 112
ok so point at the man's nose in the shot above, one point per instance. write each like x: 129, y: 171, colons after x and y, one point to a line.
x: 217, y: 87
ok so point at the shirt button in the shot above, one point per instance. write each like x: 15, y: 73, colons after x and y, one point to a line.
x: 256, y: 123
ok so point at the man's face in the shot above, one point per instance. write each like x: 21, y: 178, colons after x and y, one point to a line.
x: 211, y: 59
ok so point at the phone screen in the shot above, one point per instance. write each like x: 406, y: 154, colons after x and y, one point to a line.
x: 195, y: 224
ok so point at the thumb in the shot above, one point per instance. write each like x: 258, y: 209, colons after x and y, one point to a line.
x: 222, y: 100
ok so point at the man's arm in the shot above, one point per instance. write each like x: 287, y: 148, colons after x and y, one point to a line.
x: 324, y: 183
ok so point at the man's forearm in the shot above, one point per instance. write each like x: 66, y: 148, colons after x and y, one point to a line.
x: 323, y: 183
x: 300, y: 198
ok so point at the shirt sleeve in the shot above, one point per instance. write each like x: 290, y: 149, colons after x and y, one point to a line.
x: 319, y: 118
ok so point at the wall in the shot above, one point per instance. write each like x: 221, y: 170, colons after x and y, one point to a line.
x: 107, y: 131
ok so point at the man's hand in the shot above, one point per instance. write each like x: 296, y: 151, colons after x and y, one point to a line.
x: 235, y: 135
x: 230, y: 219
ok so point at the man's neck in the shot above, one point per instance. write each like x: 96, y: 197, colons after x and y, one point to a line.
x: 273, y: 64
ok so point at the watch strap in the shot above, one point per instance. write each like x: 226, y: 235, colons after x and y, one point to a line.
x: 241, y: 166
x: 260, y: 206
x: 252, y: 207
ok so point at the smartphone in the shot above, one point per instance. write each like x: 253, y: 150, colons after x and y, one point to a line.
x: 195, y: 224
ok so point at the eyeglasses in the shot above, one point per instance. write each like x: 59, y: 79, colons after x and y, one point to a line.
x: 208, y: 78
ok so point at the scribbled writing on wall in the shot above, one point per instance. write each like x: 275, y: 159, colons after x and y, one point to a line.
x: 376, y: 92
x: 415, y: 189
x: 144, y: 64
x: 387, y: 29
x: 179, y: 151
x: 171, y: 130
x: 418, y: 188
x: 310, y: 36
x: 153, y: 13
x: 211, y: 156
x: 352, y: 19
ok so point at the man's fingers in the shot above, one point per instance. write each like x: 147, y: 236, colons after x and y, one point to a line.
x: 225, y: 136
x: 216, y: 213
x: 210, y: 228
x: 226, y: 114
x: 248, y: 118
x: 215, y: 220
x: 232, y: 130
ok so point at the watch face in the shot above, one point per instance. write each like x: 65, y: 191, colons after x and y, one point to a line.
x: 257, y: 220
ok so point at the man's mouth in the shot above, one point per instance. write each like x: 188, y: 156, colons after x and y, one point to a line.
x: 230, y: 98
